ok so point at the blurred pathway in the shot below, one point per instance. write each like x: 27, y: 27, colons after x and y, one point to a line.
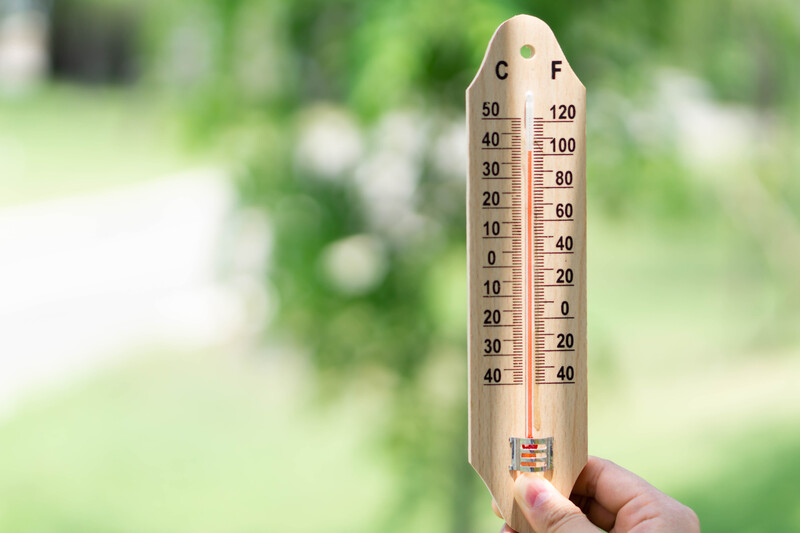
x: 84, y: 280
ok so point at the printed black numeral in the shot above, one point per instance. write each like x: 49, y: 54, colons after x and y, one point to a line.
x: 565, y: 340
x: 564, y: 210
x: 492, y: 138
x: 491, y: 317
x: 566, y: 372
x: 564, y: 243
x: 492, y: 228
x: 492, y: 287
x: 491, y: 168
x: 493, y: 375
x: 562, y: 112
x: 492, y: 346
x: 491, y: 198
x: 491, y: 109
x: 564, y: 275
x: 564, y: 178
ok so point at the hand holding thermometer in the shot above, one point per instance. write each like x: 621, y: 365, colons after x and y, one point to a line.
x: 526, y: 233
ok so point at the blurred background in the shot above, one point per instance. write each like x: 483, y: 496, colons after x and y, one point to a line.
x: 232, y: 259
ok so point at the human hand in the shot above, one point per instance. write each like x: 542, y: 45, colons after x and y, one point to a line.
x: 605, y: 495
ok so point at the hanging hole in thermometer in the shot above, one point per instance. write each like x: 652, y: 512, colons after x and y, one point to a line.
x: 526, y: 232
x: 527, y: 51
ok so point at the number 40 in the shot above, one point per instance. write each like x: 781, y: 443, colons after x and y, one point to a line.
x: 566, y: 372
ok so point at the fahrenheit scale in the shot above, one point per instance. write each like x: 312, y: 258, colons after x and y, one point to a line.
x: 526, y: 233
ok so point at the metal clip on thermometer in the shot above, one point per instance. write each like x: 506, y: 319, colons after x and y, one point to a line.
x: 526, y: 232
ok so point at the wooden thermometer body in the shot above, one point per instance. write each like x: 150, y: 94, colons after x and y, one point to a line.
x: 526, y: 233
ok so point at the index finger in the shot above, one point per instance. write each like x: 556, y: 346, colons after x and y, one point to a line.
x: 609, y: 484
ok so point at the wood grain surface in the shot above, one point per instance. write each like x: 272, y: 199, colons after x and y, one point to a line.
x: 526, y: 233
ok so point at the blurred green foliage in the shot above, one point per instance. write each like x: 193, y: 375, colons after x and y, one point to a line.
x: 371, y: 59
x: 257, y: 76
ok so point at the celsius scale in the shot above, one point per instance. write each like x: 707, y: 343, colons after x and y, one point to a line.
x: 526, y: 239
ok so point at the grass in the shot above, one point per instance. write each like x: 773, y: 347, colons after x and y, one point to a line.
x: 209, y: 442
x: 63, y: 140
x: 753, y: 496
x: 689, y: 385
x: 194, y: 443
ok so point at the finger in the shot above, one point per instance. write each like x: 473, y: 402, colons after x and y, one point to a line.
x: 507, y: 529
x: 496, y: 509
x: 609, y: 484
x: 546, y: 509
x: 599, y: 515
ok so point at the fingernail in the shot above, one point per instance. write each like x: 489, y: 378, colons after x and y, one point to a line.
x: 532, y: 491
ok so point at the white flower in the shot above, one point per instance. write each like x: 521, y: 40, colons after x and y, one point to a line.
x: 329, y: 143
x: 356, y: 264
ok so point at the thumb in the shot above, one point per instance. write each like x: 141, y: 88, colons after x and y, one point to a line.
x: 546, y: 509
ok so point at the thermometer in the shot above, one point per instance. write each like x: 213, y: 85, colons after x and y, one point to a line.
x: 526, y: 233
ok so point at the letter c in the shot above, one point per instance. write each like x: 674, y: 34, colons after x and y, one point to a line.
x: 501, y: 75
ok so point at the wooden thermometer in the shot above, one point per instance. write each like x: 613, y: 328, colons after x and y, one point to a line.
x: 526, y: 233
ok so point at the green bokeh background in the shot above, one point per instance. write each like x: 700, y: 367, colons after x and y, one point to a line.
x: 349, y: 413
